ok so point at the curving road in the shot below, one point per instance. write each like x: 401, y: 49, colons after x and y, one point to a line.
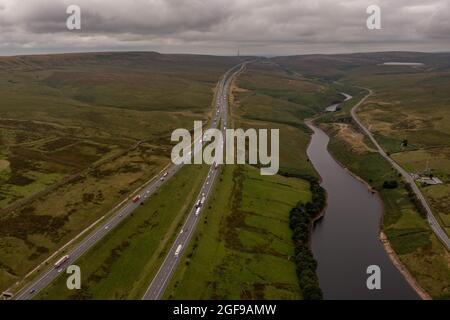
x: 150, y: 188
x: 434, y: 224
x: 168, y: 267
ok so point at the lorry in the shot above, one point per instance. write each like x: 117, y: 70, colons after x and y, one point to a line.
x: 61, y: 261
x: 137, y: 198
x: 178, y: 251
x: 197, y: 212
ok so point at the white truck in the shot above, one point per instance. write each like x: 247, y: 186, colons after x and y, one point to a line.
x: 61, y: 261
x: 197, y: 212
x: 178, y: 251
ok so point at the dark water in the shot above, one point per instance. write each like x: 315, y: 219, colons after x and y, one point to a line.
x: 345, y: 242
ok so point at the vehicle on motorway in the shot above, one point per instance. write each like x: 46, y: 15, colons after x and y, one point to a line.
x: 61, y: 261
x: 216, y: 165
x: 203, y: 200
x: 165, y: 174
x: 177, y: 252
x: 136, y: 199
x: 198, y: 204
x: 197, y: 212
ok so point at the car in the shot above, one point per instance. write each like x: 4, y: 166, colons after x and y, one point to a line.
x: 162, y: 179
x: 32, y: 291
x: 107, y: 227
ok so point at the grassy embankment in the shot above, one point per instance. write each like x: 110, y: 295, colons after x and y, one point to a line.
x: 69, y: 130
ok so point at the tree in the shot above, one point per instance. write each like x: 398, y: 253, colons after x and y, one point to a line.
x: 392, y: 184
x: 404, y: 143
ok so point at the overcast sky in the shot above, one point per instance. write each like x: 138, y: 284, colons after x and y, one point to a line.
x: 266, y: 27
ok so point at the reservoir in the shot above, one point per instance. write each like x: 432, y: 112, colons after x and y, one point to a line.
x: 413, y: 64
x: 334, y: 107
x: 345, y: 241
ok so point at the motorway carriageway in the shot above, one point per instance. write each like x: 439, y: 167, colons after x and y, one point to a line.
x: 160, y: 282
x: 43, y: 280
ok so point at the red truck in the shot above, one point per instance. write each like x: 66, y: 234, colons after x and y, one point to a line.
x: 136, y: 199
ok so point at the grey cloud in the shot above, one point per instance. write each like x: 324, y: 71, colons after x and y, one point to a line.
x: 220, y: 26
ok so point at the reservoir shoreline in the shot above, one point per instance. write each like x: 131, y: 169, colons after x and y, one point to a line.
x: 382, y: 236
x: 390, y: 254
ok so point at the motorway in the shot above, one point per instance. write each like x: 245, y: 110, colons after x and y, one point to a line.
x: 43, y: 280
x: 434, y: 224
x: 157, y: 287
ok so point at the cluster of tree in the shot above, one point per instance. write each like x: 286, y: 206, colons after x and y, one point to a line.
x: 391, y: 184
x: 417, y: 203
x: 404, y: 143
x: 301, y: 219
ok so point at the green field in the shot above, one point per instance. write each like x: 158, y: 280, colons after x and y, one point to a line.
x: 80, y: 132
x: 243, y: 247
x: 121, y: 265
x: 439, y: 160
